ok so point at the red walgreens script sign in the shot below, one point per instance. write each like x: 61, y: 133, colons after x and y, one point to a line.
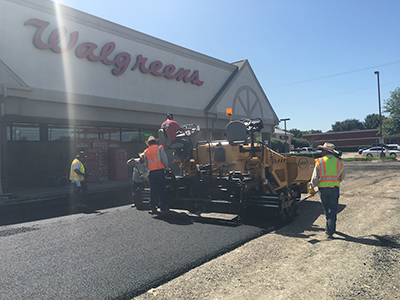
x: 121, y: 61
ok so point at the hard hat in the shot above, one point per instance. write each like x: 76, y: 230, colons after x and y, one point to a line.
x: 81, y: 154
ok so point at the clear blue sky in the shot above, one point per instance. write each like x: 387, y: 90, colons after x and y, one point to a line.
x: 314, y: 59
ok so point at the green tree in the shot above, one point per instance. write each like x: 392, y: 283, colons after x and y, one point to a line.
x: 297, y: 133
x: 312, y: 131
x: 277, y: 145
x: 371, y: 121
x: 299, y: 143
x: 391, y: 124
x: 347, y: 125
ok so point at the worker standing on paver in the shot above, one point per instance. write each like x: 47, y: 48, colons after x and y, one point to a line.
x: 172, y: 128
x: 327, y: 175
x: 78, y: 176
x: 157, y: 162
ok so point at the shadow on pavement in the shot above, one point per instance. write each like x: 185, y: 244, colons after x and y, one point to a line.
x: 374, y: 240
x: 182, y: 218
x: 62, y: 207
x: 303, y: 225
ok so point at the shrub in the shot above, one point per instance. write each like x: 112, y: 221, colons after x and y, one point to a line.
x: 277, y: 145
x: 300, y: 143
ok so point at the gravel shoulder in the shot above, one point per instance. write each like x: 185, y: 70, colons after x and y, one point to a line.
x: 297, y: 261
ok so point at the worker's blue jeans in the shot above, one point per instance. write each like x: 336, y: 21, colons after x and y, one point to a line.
x: 157, y: 189
x: 330, y: 202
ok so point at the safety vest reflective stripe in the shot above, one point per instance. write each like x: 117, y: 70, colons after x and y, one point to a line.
x: 73, y: 175
x: 339, y: 167
x: 330, y: 169
x: 329, y: 178
x: 153, y: 157
x: 139, y: 171
x: 322, y: 168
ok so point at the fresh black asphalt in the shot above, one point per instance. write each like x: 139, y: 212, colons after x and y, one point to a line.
x: 110, y: 253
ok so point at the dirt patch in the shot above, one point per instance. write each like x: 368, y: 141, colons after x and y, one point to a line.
x: 297, y: 261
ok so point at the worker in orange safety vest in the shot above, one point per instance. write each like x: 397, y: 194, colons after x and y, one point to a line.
x: 327, y: 175
x: 157, y: 162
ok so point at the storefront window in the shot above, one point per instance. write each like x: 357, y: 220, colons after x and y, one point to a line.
x: 23, y: 132
x: 101, y: 133
x: 130, y: 136
x: 60, y: 133
x: 92, y: 136
x: 54, y: 132
x: 109, y: 133
x: 115, y: 136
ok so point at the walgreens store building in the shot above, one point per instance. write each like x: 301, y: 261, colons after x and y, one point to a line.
x: 70, y: 81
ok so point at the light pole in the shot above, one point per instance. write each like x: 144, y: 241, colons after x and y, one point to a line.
x: 286, y: 143
x: 380, y: 113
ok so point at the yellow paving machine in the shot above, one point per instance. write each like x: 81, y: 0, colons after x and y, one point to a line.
x: 239, y: 176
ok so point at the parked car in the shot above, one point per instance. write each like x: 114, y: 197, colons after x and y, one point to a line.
x: 304, y: 150
x: 376, y: 152
x: 362, y: 149
x: 390, y: 146
x: 393, y: 152
x: 379, y: 145
x: 308, y: 150
x: 394, y: 146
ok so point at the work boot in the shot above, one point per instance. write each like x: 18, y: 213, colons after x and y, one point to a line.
x: 329, y: 235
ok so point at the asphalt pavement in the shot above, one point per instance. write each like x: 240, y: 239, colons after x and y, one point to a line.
x: 111, y: 253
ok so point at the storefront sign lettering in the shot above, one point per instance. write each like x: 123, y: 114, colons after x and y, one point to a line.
x: 155, y: 67
x: 58, y: 42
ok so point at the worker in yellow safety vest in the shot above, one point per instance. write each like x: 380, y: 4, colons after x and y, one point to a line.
x: 77, y: 175
x: 327, y: 176
x: 139, y: 178
x: 157, y: 162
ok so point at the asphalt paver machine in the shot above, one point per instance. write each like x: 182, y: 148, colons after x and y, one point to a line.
x: 239, y: 176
